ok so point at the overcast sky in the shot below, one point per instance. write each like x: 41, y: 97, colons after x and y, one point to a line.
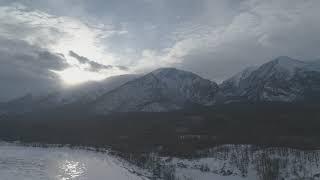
x: 45, y: 43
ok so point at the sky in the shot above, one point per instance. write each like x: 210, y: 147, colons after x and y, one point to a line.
x: 45, y: 44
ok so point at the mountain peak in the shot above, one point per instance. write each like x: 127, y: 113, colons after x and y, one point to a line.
x: 164, y: 89
x: 166, y: 69
x: 166, y: 74
x: 284, y: 58
x: 287, y: 62
x: 169, y: 70
x: 282, y: 79
x: 282, y: 64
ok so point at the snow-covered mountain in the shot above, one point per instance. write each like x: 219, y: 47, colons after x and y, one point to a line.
x: 93, y: 89
x: 164, y: 89
x: 283, y: 79
x: 80, y: 94
x: 230, y: 89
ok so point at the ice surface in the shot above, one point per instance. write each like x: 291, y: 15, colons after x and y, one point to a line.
x: 33, y: 163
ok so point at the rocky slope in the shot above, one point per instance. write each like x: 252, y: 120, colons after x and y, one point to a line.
x: 161, y: 90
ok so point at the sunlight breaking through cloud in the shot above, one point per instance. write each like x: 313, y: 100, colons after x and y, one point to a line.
x: 61, y: 35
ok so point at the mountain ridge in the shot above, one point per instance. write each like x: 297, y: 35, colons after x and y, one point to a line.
x: 160, y: 90
x: 282, y: 79
x: 168, y: 89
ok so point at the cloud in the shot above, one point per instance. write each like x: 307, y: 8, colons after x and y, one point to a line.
x: 27, y: 68
x: 88, y: 70
x: 57, y: 33
x: 255, y: 33
x: 39, y: 37
x: 213, y: 38
x: 94, y: 66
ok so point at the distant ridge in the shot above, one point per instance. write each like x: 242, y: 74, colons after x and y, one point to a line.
x: 168, y: 89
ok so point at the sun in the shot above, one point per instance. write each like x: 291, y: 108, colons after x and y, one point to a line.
x: 74, y: 76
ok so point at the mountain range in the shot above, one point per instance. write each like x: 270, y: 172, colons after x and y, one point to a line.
x: 167, y: 89
x: 283, y: 79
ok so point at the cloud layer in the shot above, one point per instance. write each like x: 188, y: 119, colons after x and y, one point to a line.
x: 97, y: 39
x: 260, y: 31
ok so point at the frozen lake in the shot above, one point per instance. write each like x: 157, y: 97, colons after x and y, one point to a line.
x: 33, y: 163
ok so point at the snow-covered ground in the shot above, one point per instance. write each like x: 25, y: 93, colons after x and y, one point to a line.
x: 35, y: 163
x: 244, y: 162
x: 228, y: 162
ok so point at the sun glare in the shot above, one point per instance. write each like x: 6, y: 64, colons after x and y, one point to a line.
x: 74, y: 76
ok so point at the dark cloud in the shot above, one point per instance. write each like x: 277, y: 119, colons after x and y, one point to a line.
x: 124, y: 68
x: 27, y: 69
x: 94, y: 66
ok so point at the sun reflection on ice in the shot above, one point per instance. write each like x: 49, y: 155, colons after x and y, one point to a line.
x: 71, y: 170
